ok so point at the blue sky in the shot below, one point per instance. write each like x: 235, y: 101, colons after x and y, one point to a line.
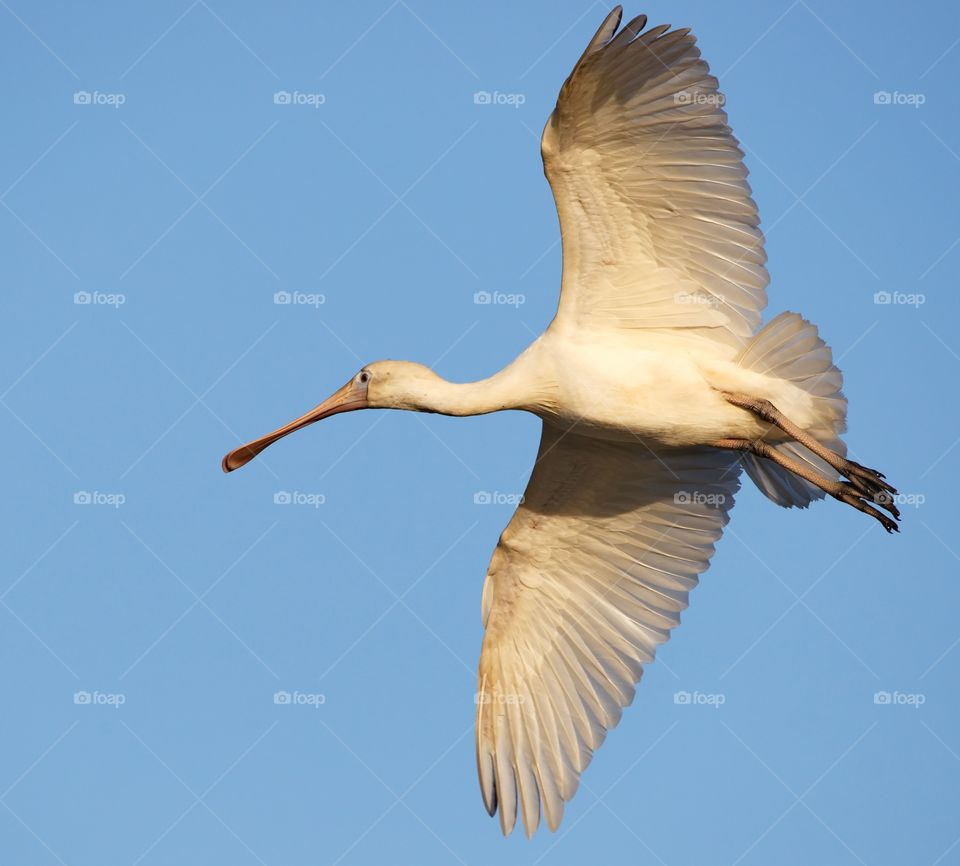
x: 158, y: 198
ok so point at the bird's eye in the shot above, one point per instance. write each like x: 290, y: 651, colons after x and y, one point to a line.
x: 364, y: 377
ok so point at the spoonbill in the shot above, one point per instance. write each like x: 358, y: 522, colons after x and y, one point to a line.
x: 655, y: 386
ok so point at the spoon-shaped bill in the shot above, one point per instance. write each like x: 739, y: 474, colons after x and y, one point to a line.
x: 350, y: 396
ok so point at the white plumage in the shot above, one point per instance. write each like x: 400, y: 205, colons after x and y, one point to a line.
x: 651, y: 190
x: 654, y: 387
x: 587, y: 581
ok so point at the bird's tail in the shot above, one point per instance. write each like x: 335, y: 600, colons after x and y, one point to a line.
x: 790, y: 348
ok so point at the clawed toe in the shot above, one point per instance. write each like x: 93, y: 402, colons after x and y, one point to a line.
x: 859, y: 486
x: 885, y: 500
x: 881, y: 498
x: 868, y: 484
x: 869, y: 477
x: 854, y: 499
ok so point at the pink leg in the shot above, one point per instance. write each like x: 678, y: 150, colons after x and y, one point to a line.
x: 867, y: 481
x: 844, y: 491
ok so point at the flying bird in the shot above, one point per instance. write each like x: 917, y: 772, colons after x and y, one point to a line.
x: 656, y: 387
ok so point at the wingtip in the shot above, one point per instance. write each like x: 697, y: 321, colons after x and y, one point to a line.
x: 489, y: 798
x: 618, y: 12
x: 610, y: 23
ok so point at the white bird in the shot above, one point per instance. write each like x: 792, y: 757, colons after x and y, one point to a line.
x: 654, y: 387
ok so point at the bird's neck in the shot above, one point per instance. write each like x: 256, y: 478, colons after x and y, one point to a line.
x: 517, y: 386
x: 472, y: 398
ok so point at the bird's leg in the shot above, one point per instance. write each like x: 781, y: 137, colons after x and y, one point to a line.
x: 866, y: 481
x: 845, y: 491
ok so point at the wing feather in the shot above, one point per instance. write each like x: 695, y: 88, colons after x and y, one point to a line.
x: 659, y: 230
x: 588, y: 579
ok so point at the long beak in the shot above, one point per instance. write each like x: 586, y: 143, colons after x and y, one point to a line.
x: 350, y: 396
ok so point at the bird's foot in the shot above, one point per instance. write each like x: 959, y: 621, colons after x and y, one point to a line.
x: 864, y: 488
x: 871, y: 485
x: 854, y: 495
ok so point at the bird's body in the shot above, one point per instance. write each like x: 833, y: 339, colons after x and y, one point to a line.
x: 647, y: 388
x: 628, y: 389
x: 655, y: 385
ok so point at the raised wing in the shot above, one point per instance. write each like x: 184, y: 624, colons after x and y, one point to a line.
x: 659, y: 229
x: 587, y: 581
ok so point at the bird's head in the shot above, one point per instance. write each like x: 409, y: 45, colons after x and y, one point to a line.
x: 381, y: 385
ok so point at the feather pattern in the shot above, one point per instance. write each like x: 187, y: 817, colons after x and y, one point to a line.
x: 588, y: 579
x: 659, y: 229
x: 790, y: 348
